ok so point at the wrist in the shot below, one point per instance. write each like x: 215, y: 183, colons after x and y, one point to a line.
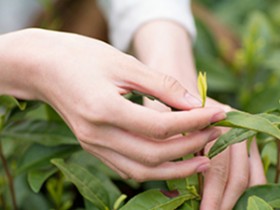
x: 17, y: 72
x: 166, y: 47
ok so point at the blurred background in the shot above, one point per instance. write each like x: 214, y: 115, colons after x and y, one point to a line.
x: 237, y: 44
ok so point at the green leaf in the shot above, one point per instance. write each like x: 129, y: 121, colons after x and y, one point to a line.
x: 256, y: 203
x: 274, y: 119
x: 269, y: 193
x: 36, y: 178
x: 233, y: 136
x: 275, y: 203
x: 108, y: 185
x: 89, y: 205
x: 88, y: 185
x: 154, y: 200
x: 190, y: 205
x: 41, y: 132
x: 11, y: 102
x: 256, y: 122
x: 38, y: 156
x: 202, y: 86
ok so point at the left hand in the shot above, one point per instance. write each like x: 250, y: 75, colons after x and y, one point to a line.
x: 232, y: 171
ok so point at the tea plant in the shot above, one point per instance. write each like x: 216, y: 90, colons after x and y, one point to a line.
x: 42, y: 162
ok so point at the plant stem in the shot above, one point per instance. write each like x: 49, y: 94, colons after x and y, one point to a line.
x: 9, y: 177
x: 2, y: 202
x: 199, y: 176
x: 278, y: 162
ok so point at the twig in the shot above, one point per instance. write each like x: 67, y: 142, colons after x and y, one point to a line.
x: 2, y: 202
x: 199, y: 176
x: 9, y: 177
x: 278, y: 163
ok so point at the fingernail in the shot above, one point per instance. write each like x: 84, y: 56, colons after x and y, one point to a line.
x: 203, y: 167
x: 193, y: 101
x: 218, y: 116
x: 214, y: 135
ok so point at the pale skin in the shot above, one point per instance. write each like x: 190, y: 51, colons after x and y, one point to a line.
x: 165, y: 46
x: 84, y: 81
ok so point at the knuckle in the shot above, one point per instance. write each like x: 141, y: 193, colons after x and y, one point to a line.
x: 152, y: 159
x: 161, y: 131
x: 242, y: 182
x: 93, y: 112
x: 220, y: 173
x: 197, y: 124
x: 96, y: 115
x: 84, y: 133
x: 140, y: 176
x: 170, y: 83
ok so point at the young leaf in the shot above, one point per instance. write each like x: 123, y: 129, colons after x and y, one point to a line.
x: 119, y: 201
x: 154, y: 199
x: 10, y: 102
x: 202, y: 86
x: 256, y: 203
x: 233, y: 136
x: 88, y: 185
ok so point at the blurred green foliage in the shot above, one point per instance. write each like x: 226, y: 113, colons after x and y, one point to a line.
x: 51, y: 171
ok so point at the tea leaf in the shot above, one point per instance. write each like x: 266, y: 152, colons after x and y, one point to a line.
x: 275, y: 203
x: 10, y: 102
x: 37, y: 178
x: 256, y: 203
x: 245, y: 126
x: 202, y: 86
x: 154, y: 199
x: 238, y: 119
x: 48, y: 133
x: 38, y: 156
x: 88, y: 185
x: 233, y: 136
x: 269, y: 193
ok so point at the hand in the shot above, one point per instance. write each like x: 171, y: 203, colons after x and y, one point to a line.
x: 84, y: 80
x: 231, y: 173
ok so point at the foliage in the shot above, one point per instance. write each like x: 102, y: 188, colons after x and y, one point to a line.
x: 43, y: 161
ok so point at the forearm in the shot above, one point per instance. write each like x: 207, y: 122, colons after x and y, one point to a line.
x: 166, y: 47
x: 17, y: 76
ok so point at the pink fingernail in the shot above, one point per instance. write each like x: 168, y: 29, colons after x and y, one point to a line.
x: 193, y: 101
x: 218, y: 116
x: 203, y: 167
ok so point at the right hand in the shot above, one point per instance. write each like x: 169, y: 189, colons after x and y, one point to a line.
x: 84, y: 80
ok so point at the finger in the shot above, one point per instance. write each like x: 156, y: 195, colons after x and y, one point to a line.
x: 156, y: 105
x: 162, y: 86
x: 147, y: 151
x: 144, y: 121
x: 215, y: 179
x: 140, y: 172
x: 110, y: 165
x: 238, y: 176
x: 257, y: 175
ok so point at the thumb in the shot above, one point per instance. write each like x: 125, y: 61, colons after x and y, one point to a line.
x: 166, y: 89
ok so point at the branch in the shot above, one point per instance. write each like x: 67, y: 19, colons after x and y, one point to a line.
x: 9, y: 177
